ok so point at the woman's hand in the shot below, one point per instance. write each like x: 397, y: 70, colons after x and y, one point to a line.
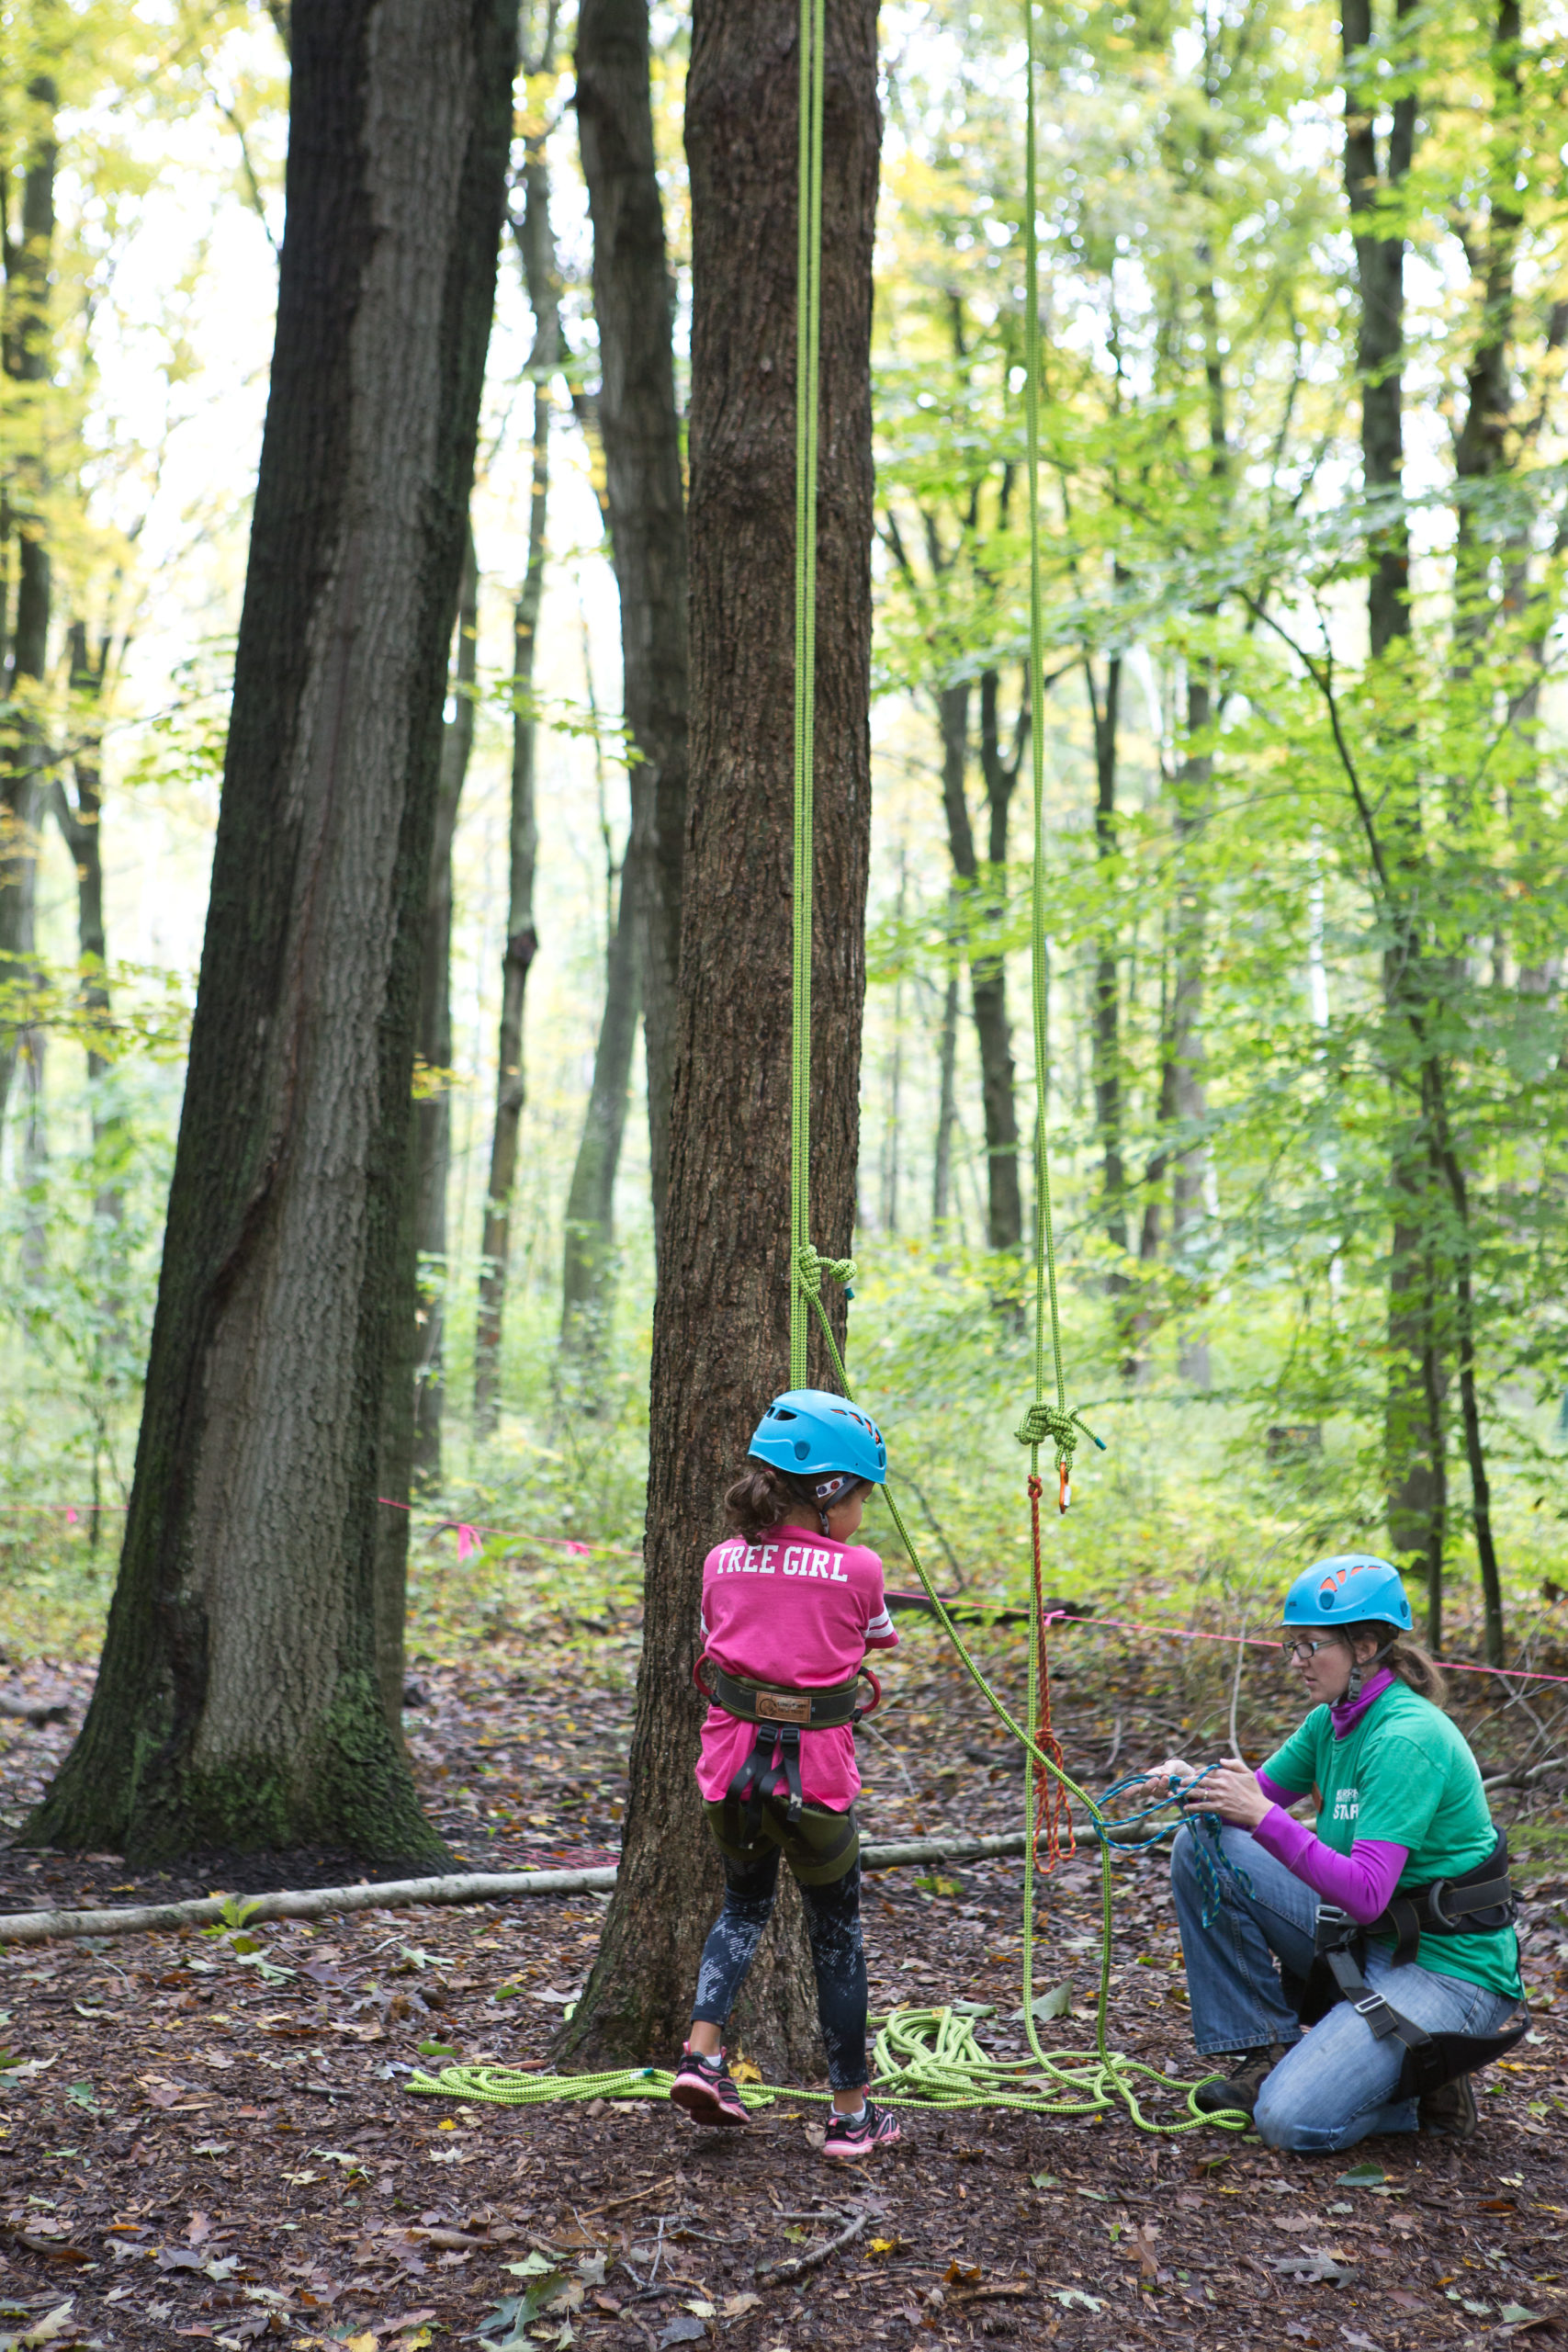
x: 1231, y: 1790
x: 1175, y: 1768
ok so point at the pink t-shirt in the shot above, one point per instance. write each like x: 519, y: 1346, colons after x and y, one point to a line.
x: 800, y: 1611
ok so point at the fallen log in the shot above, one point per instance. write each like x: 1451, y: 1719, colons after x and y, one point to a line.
x: 399, y: 1894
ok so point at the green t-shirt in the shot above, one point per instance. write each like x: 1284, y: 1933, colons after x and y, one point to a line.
x: 1406, y: 1777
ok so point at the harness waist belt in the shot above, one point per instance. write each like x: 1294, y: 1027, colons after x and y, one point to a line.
x: 764, y: 1702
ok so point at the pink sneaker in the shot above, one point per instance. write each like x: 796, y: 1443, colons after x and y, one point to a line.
x: 849, y: 2138
x: 702, y: 2086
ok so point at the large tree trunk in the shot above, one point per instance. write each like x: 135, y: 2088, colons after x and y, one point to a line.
x: 25, y: 346
x: 634, y: 304
x: 432, y: 1040
x: 237, y: 1702
x: 536, y: 242
x: 721, y: 1323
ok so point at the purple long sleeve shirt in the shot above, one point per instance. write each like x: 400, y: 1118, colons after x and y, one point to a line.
x: 1361, y: 1880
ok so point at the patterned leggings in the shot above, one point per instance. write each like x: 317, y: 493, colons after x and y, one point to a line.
x: 833, y: 1921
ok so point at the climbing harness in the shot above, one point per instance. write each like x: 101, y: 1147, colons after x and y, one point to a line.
x: 928, y: 2057
x: 1476, y: 1902
x: 769, y: 1773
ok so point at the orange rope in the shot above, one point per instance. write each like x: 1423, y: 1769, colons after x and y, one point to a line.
x: 1051, y: 1809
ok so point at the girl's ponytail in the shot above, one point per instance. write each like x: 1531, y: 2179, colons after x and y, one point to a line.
x: 763, y: 1498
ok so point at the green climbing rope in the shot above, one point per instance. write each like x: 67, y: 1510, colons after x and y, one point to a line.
x: 922, y: 2057
x: 808, y: 317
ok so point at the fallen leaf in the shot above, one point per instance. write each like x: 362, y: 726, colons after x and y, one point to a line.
x: 745, y: 2069
x: 366, y: 2343
x: 683, y: 2330
x: 43, y: 2331
x: 1056, y: 2003
x: 736, y: 2306
x: 197, y: 2229
x: 884, y: 2246
x: 703, y: 2310
x: 1362, y: 2176
x: 957, y: 2275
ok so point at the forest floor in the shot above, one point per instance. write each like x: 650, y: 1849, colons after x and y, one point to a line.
x: 211, y: 2138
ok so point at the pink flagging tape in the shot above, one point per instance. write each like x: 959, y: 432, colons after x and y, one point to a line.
x: 469, y: 1536
x: 1254, y: 1641
x: 72, y: 1512
x: 1249, y: 1641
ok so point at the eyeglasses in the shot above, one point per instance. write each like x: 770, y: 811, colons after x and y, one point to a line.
x: 1300, y: 1651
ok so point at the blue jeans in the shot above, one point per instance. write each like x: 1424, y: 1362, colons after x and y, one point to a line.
x: 1336, y: 2085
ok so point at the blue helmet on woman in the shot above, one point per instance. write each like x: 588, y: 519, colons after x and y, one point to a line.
x: 809, y: 1433
x: 1349, y: 1589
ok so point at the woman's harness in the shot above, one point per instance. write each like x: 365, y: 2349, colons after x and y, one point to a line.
x: 770, y: 1771
x: 1476, y: 1902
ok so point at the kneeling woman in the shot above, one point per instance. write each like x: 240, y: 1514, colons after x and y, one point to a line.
x: 1408, y: 1987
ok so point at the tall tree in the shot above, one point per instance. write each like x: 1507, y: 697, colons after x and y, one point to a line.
x: 432, y: 1042
x: 238, y: 1700
x: 1375, y: 185
x: 720, y: 1342
x: 535, y: 243
x: 24, y: 351
x: 634, y: 305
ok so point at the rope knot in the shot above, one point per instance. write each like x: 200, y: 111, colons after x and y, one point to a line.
x: 811, y: 1267
x: 1042, y: 1422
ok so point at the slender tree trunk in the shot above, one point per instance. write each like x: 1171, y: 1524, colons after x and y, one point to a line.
x: 1415, y: 1530
x: 239, y: 1700
x: 1188, y: 1095
x: 588, y: 1271
x: 634, y: 305
x: 993, y: 1032
x: 720, y: 1343
x: 538, y: 242
x: 81, y: 827
x: 433, y: 1045
x: 947, y: 1108
x: 1106, y: 1027
x: 26, y: 345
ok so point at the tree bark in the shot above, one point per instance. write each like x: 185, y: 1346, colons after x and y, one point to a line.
x: 1189, y: 1094
x: 237, y: 1702
x: 1414, y: 1475
x: 993, y: 1030
x: 1105, y: 1031
x: 536, y: 242
x: 634, y: 305
x: 588, y: 1268
x: 721, y: 1321
x: 432, y: 1042
x: 947, y: 1109
x: 25, y: 346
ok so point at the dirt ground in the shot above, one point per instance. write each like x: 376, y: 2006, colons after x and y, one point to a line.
x: 211, y: 2138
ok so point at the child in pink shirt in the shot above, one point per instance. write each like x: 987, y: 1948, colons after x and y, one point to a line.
x: 791, y: 1604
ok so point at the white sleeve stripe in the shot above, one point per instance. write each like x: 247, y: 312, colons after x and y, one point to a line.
x: 703, y: 1623
x: 880, y: 1623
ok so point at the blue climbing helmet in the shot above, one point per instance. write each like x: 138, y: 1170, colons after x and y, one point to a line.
x: 810, y: 1433
x: 1350, y: 1588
